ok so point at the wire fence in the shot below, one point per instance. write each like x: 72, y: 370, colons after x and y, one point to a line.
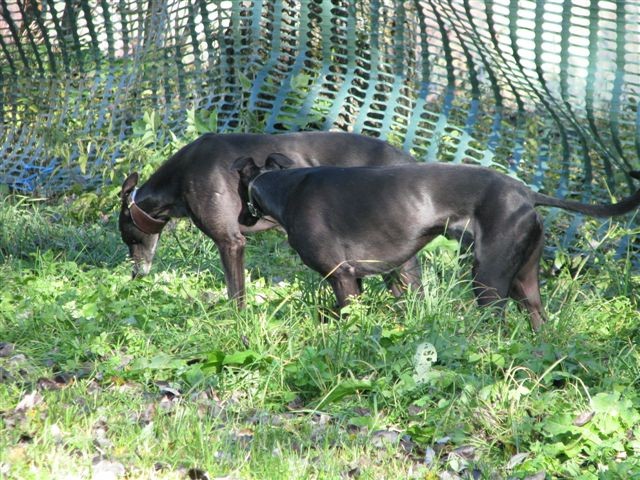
x: 547, y: 90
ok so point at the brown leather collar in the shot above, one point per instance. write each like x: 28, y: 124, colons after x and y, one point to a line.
x: 142, y: 219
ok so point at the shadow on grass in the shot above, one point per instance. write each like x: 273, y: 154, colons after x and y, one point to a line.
x: 31, y: 229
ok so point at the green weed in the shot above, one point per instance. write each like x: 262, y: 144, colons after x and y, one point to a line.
x: 164, y: 377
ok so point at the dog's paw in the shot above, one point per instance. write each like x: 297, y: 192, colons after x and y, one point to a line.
x: 329, y: 314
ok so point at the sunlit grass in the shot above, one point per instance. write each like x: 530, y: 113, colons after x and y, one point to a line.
x: 162, y: 375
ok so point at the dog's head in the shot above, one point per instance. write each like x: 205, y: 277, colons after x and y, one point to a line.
x: 249, y: 171
x: 142, y: 245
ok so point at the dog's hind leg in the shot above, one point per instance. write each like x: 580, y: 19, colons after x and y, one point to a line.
x: 345, y: 285
x: 506, y: 264
x: 526, y: 286
x: 498, y: 255
x: 492, y: 274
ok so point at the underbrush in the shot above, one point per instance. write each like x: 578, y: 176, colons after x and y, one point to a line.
x: 163, y: 378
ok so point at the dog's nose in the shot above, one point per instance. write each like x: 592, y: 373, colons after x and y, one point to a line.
x: 140, y: 269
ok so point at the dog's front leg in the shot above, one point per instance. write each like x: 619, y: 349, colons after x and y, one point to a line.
x: 231, y: 250
x: 345, y: 285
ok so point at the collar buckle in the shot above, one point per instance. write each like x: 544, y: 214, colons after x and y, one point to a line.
x: 253, y: 210
x: 251, y: 206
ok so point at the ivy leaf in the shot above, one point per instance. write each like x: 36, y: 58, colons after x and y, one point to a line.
x: 160, y: 361
x: 241, y: 358
x: 609, y: 424
x: 442, y: 242
x: 344, y: 388
x: 217, y: 359
x: 164, y: 360
x: 245, y: 82
x: 425, y: 356
x: 300, y: 82
x: 213, y: 121
x: 517, y: 459
x: 201, y: 124
x: 214, y: 361
x: 605, y: 403
x: 558, y: 425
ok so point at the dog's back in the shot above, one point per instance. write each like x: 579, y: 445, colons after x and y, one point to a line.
x: 374, y: 218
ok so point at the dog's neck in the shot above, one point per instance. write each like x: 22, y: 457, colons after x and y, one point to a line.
x: 268, y: 193
x: 150, y: 211
x: 143, y: 220
x: 162, y: 195
x: 253, y: 207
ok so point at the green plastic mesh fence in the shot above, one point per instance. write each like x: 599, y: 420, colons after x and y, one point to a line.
x: 546, y: 89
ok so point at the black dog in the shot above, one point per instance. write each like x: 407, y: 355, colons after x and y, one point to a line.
x: 347, y: 223
x: 197, y: 183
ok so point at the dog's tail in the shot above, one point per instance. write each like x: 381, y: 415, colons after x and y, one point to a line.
x: 625, y: 205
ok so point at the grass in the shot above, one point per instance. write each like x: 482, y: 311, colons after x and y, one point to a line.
x: 163, y: 378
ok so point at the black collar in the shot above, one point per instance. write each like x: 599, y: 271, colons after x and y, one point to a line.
x: 251, y: 205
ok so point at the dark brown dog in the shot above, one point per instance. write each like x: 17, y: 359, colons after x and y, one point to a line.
x: 197, y: 183
x: 347, y: 223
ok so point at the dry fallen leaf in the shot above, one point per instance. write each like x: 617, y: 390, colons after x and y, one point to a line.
x: 583, y: 418
x: 56, y: 433
x: 243, y: 436
x: 296, y: 404
x: 167, y: 390
x: 16, y: 454
x: 29, y: 401
x: 447, y: 475
x: 429, y: 457
x: 5, y: 375
x: 537, y: 476
x: 107, y: 470
x: 47, y: 384
x: 18, y: 359
x: 100, y: 439
x: 516, y: 460
x: 382, y: 438
x: 467, y: 452
x: 146, y: 417
x: 415, y: 410
x: 6, y: 349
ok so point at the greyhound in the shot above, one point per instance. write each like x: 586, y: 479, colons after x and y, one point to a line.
x: 196, y: 182
x: 347, y: 223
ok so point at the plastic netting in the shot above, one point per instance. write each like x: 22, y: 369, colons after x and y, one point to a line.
x: 547, y: 89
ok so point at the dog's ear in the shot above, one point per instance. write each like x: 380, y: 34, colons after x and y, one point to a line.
x: 129, y: 184
x: 277, y: 161
x: 241, y: 162
x: 245, y: 166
